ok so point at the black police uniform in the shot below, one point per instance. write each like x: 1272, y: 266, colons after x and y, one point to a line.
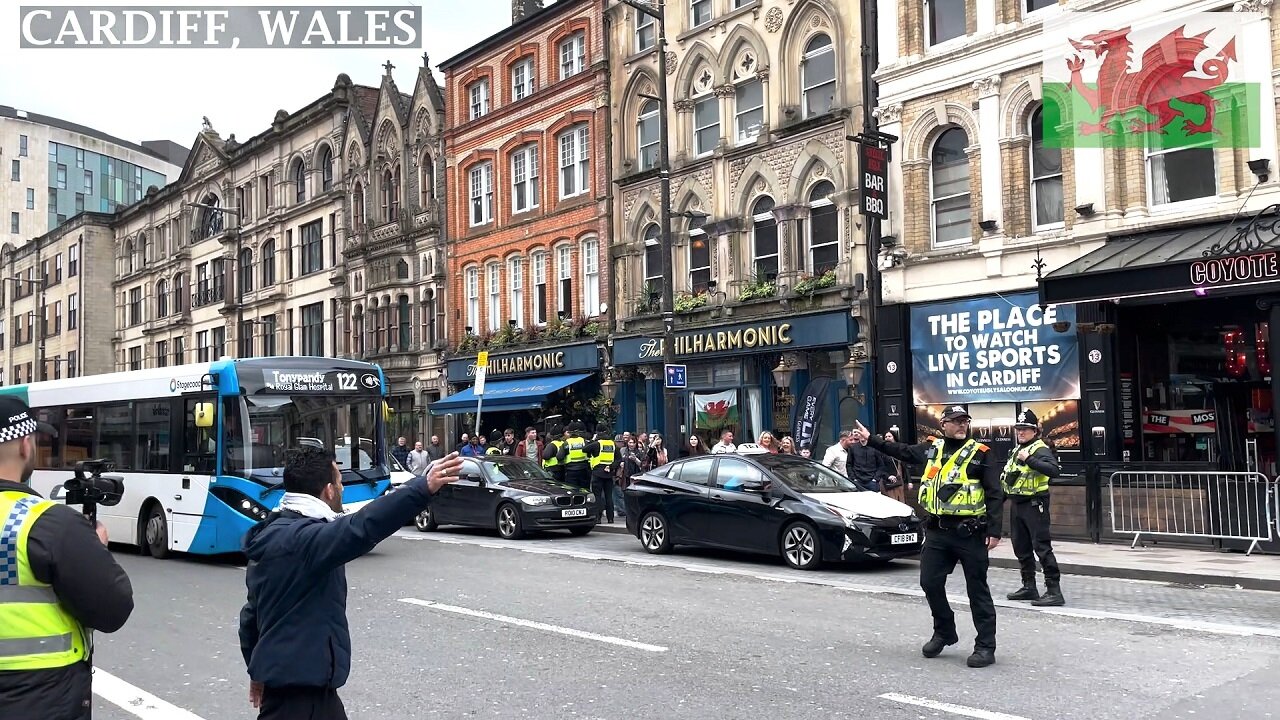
x: 949, y: 540
x: 1030, y: 523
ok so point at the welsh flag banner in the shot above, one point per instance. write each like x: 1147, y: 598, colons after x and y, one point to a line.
x: 1162, y: 81
x: 716, y: 410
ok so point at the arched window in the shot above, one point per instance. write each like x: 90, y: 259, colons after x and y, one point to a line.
x: 268, y: 263
x: 706, y: 116
x: 326, y: 169
x: 128, y: 255
x: 429, y: 318
x: 357, y: 206
x: 950, y: 188
x: 493, y: 283
x: 590, y: 277
x: 818, y: 70
x: 210, y: 217
x: 402, y: 322
x: 299, y: 181
x: 244, y: 265
x: 402, y: 270
x: 652, y: 264
x: 515, y: 288
x: 647, y: 136
x: 357, y: 330
x: 824, y: 229
x: 472, y: 275
x: 162, y: 299
x: 428, y: 180
x: 699, y: 255
x: 764, y: 241
x: 1046, y: 176
x: 179, y: 292
x: 390, y: 194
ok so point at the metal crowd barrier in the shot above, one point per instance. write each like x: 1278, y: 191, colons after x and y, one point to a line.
x: 1224, y: 505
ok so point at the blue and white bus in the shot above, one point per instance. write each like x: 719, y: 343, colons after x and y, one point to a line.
x: 201, y: 447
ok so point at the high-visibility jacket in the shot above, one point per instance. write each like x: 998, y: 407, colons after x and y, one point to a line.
x: 1019, y: 478
x: 555, y: 457
x: 36, y: 632
x: 577, y: 452
x: 969, y: 499
x: 605, y: 456
x: 493, y: 450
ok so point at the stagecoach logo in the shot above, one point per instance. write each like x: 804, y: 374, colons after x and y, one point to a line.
x: 370, y: 381
x: 176, y: 385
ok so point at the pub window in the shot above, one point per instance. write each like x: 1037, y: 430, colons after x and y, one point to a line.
x: 115, y: 434
x: 945, y: 20
x: 764, y: 241
x: 819, y: 69
x: 1182, y: 174
x: 950, y: 188
x: 1046, y: 176
x: 699, y: 256
x: 652, y: 265
x: 153, y: 435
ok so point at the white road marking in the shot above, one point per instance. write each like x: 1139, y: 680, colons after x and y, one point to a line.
x: 691, y: 565
x: 135, y: 700
x: 536, y: 625
x: 949, y: 708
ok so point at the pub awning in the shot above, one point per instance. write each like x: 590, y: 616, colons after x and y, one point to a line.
x: 521, y: 394
x: 1183, y: 259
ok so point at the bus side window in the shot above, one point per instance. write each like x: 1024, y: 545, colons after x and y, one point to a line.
x: 199, y: 443
x: 78, y: 436
x: 49, y: 449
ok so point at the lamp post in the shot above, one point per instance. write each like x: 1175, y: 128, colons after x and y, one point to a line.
x: 236, y: 264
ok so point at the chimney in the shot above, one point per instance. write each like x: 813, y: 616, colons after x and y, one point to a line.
x: 521, y: 9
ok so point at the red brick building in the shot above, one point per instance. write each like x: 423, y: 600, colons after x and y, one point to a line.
x: 526, y: 139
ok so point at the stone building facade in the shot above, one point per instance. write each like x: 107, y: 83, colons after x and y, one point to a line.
x: 763, y: 95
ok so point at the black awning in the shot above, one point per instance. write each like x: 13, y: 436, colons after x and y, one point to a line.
x: 1182, y: 259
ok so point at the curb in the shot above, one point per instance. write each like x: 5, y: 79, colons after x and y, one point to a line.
x: 1120, y: 573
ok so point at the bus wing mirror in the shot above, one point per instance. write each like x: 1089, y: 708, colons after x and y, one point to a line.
x: 204, y: 415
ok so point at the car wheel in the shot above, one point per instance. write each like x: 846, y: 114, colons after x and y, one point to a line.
x: 654, y: 534
x: 425, y: 521
x: 156, y: 533
x: 509, y: 525
x: 580, y: 531
x: 800, y: 546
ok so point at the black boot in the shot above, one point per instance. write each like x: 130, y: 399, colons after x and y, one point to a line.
x: 981, y: 657
x: 1027, y: 592
x: 1052, y: 596
x: 934, y: 647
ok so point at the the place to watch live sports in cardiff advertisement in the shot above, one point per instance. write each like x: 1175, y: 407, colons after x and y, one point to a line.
x: 995, y: 355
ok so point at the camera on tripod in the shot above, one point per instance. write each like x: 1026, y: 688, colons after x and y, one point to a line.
x: 94, y: 488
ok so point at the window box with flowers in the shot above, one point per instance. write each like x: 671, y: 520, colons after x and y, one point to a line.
x: 811, y: 284
x: 688, y: 302
x: 756, y: 289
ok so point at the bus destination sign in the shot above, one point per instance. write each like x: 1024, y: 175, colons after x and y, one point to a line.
x: 321, y: 381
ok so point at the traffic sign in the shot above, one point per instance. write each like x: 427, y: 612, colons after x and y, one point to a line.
x: 482, y: 360
x: 677, y: 377
x: 479, y: 388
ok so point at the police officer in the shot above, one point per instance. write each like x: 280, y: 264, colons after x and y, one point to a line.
x: 1026, y: 483
x: 960, y: 489
x: 58, y: 583
x: 573, y: 455
x: 600, y: 454
x: 551, y: 453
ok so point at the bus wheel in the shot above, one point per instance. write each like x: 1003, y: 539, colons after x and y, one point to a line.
x: 155, y: 536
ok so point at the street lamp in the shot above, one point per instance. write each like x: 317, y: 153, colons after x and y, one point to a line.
x: 238, y: 270
x: 609, y: 387
x: 852, y: 371
x: 782, y: 374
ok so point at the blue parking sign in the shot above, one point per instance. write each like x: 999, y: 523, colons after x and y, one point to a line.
x: 677, y: 377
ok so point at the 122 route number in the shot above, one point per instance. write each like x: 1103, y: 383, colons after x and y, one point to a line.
x: 346, y: 381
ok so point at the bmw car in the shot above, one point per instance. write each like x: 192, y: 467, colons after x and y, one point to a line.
x: 512, y: 494
x: 764, y: 503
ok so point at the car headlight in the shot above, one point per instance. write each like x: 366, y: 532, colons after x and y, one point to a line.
x: 591, y: 497
x: 534, y: 500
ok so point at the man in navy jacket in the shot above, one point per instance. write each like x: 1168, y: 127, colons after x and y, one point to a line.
x: 293, y: 629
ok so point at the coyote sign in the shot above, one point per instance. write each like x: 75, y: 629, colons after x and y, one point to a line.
x: 1171, y: 83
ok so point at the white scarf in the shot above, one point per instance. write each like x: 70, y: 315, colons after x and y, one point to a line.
x: 308, y: 505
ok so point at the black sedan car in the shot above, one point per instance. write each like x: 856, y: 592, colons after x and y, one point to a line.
x: 514, y: 495
x: 770, y: 504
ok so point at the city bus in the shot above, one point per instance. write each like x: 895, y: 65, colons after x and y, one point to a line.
x: 201, y: 447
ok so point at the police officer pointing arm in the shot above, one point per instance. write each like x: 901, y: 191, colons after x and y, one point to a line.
x: 58, y: 583
x: 960, y: 489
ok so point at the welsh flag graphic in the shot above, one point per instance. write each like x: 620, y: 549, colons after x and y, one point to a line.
x: 716, y: 410
x: 1161, y: 82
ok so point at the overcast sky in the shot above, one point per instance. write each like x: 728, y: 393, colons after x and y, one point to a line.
x: 153, y: 94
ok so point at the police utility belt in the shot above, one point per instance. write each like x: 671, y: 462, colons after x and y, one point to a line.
x: 961, y: 526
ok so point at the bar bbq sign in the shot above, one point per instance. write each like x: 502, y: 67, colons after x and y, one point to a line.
x: 874, y: 161
x: 993, y: 349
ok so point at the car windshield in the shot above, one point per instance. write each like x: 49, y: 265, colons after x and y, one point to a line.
x: 514, y: 468
x: 805, y: 476
x: 280, y: 423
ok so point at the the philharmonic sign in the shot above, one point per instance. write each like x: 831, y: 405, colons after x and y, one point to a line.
x: 993, y: 349
x: 793, y: 333
x: 555, y: 360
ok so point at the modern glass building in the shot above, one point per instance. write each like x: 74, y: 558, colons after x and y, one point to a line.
x: 81, y: 180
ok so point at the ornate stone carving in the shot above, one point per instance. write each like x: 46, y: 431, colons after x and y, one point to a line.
x: 888, y: 113
x: 817, y: 21
x: 987, y: 86
x: 1252, y: 5
x: 819, y: 170
x: 773, y: 20
x: 683, y: 105
x: 672, y: 63
x: 745, y: 64
x: 761, y: 185
x: 726, y: 91
x: 702, y: 82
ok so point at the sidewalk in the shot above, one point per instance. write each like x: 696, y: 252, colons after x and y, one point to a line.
x: 1154, y: 563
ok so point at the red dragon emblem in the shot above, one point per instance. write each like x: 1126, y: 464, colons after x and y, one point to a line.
x: 1169, y: 72
x: 717, y: 410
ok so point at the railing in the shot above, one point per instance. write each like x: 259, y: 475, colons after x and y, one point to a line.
x: 207, y: 296
x: 1194, y: 504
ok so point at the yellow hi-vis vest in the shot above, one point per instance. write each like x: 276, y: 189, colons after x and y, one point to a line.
x: 605, y: 457
x: 555, y: 457
x: 36, y: 632
x: 1027, y: 482
x: 970, y: 500
x: 577, y: 453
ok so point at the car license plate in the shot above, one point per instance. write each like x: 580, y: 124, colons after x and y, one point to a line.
x: 903, y: 538
x: 574, y: 512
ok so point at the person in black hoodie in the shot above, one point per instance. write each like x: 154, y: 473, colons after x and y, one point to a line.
x: 961, y: 491
x: 293, y: 628
x: 61, y: 563
x: 863, y: 466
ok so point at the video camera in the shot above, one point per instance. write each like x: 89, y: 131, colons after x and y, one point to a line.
x: 93, y: 489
